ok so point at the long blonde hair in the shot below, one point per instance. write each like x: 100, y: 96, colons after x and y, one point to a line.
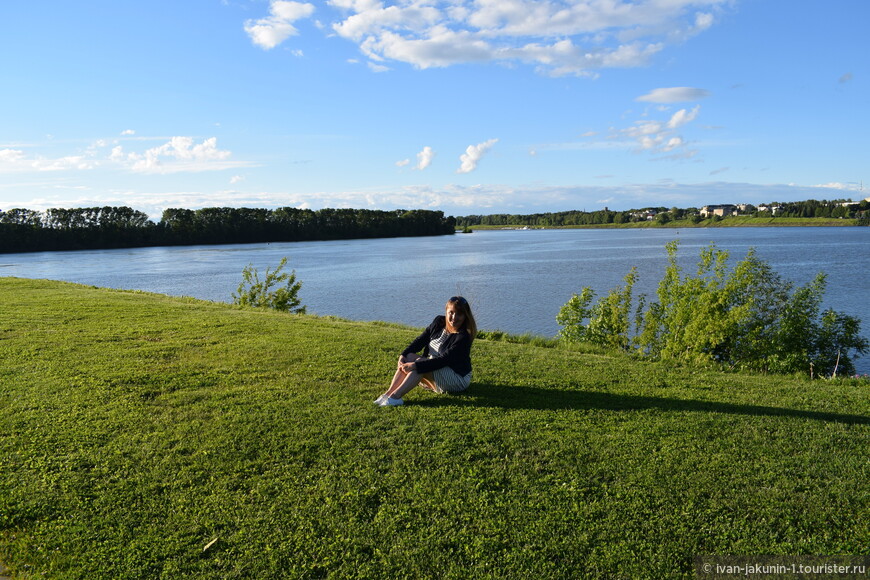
x: 469, y: 324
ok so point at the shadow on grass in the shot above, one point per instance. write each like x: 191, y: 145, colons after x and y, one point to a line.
x: 517, y: 397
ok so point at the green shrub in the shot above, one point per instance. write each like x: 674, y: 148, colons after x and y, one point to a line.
x: 266, y: 293
x: 747, y: 317
x: 572, y: 315
x: 609, y: 319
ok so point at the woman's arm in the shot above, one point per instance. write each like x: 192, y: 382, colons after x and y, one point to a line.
x: 457, y: 353
x: 422, y: 341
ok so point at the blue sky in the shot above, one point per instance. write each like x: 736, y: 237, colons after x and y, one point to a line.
x: 466, y: 106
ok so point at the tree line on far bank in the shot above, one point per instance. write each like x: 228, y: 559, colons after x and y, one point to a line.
x: 24, y: 230
x: 859, y: 210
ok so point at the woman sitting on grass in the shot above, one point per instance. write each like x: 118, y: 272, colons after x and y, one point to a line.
x: 445, y: 366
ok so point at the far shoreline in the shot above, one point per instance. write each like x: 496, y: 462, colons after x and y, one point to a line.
x: 733, y: 222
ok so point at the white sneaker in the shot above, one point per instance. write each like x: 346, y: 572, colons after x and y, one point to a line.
x: 391, y: 402
x: 380, y: 400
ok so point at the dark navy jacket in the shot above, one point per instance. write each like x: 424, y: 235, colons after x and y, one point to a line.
x: 455, y: 352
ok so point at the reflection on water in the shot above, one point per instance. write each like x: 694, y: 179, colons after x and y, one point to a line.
x: 516, y: 280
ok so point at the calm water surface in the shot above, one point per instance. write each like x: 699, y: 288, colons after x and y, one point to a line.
x: 516, y: 280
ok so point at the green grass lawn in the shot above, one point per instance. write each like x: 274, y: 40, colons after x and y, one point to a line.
x: 145, y: 436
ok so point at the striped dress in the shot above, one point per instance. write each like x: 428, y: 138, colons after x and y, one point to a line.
x: 446, y: 379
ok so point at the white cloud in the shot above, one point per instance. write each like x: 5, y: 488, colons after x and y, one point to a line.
x: 559, y: 37
x: 179, y: 154
x: 841, y: 186
x: 16, y: 160
x: 12, y: 158
x: 128, y: 132
x: 371, y: 17
x: 278, y: 26
x: 180, y: 149
x: 441, y: 48
x: 683, y: 117
x: 674, y: 95
x: 176, y: 155
x: 75, y: 162
x: 236, y: 179
x: 378, y: 68
x: 660, y: 136
x: 654, y: 136
x: 473, y: 154
x: 673, y: 143
x: 703, y: 21
x: 424, y: 158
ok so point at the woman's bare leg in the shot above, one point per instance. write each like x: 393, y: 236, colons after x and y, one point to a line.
x: 428, y: 384
x: 401, y: 375
x: 397, y: 380
x: 411, y: 380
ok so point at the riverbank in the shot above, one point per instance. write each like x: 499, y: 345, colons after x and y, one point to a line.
x: 148, y: 436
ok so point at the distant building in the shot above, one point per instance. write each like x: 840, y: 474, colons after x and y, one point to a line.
x: 647, y: 214
x: 848, y: 203
x: 719, y: 210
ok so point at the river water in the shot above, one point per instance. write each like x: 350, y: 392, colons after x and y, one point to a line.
x: 515, y: 280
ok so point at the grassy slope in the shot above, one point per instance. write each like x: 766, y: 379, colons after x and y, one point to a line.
x: 137, y: 428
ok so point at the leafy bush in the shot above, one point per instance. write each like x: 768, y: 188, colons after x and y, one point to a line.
x: 747, y: 317
x: 572, y: 315
x: 253, y: 292
x: 609, y: 318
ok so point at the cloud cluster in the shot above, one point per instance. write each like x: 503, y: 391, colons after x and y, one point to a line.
x: 468, y: 160
x: 859, y: 187
x: 177, y: 155
x: 661, y: 136
x: 424, y: 159
x: 560, y: 37
x: 16, y: 160
x: 271, y: 31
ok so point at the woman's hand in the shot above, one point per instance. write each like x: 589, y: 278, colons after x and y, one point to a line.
x: 407, y: 364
